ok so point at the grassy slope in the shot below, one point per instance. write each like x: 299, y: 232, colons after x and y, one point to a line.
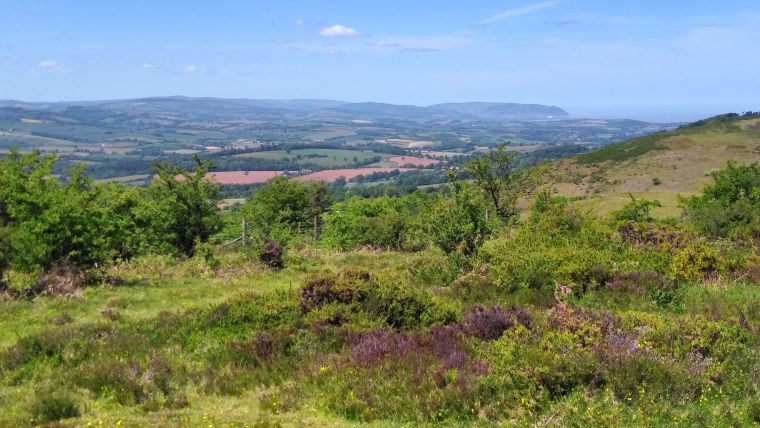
x: 680, y: 159
x: 149, y: 288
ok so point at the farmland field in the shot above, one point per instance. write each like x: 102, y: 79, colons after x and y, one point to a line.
x: 243, y: 177
x: 413, y: 160
x: 326, y: 158
x: 330, y: 175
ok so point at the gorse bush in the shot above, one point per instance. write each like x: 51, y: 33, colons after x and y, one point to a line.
x: 384, y: 222
x: 730, y: 207
x: 562, y: 245
x: 392, y: 301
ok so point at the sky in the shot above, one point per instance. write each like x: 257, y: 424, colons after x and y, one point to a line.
x: 646, y: 59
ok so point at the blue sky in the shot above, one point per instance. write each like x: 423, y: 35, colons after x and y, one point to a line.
x: 590, y: 56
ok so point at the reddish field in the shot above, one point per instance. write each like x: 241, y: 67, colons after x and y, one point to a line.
x: 412, y: 160
x: 243, y: 177
x: 333, y: 174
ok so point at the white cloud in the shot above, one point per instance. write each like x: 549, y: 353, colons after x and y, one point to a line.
x: 191, y: 68
x: 338, y: 30
x: 519, y: 11
x: 299, y: 21
x: 49, y: 63
x: 148, y: 66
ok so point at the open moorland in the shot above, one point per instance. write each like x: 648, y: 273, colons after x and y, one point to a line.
x: 501, y: 301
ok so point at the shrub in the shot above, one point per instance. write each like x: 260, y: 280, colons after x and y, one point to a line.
x: 539, y: 256
x: 695, y: 261
x: 637, y: 210
x: 347, y: 286
x: 271, y: 254
x: 392, y: 300
x: 384, y: 222
x: 490, y: 323
x: 730, y: 206
x: 460, y: 223
x: 52, y: 405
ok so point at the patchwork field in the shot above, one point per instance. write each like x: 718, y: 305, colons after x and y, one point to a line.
x: 331, y: 175
x: 413, y: 160
x: 325, y: 158
x: 243, y: 177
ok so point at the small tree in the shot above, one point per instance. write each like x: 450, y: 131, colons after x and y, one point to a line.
x: 190, y: 199
x: 730, y: 206
x: 637, y: 210
x: 458, y: 222
x: 496, y: 175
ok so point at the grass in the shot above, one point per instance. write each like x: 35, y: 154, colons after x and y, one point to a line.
x: 318, y: 390
x: 149, y: 289
x: 603, y: 205
x: 323, y: 158
x: 680, y: 160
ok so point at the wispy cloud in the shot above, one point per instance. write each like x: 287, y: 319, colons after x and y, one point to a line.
x: 148, y: 66
x: 191, y: 68
x: 338, y: 30
x: 299, y: 21
x: 519, y: 11
x: 49, y: 64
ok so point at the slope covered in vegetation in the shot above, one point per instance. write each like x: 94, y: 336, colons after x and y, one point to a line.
x: 659, y: 166
x: 296, y: 309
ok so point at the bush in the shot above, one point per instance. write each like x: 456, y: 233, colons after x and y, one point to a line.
x: 54, y: 405
x: 699, y: 259
x: 271, y: 254
x: 730, y: 206
x: 393, y: 301
x: 490, y: 323
x: 637, y: 210
x: 460, y: 223
x: 384, y: 222
x: 557, y: 246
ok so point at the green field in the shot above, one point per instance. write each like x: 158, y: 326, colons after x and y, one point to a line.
x: 323, y: 158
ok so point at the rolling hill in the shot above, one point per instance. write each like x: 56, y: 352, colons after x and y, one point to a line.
x: 659, y: 166
x: 223, y: 108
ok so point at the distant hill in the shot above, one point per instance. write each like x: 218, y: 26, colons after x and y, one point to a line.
x: 501, y: 111
x: 659, y: 166
x: 451, y: 111
x: 305, y: 108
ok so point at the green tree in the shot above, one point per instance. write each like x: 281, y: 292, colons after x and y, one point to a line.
x: 496, y: 174
x: 638, y: 210
x: 50, y: 220
x: 730, y: 206
x: 189, y: 201
x: 458, y: 223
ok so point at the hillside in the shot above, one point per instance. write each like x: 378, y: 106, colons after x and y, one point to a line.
x: 224, y: 108
x: 309, y: 306
x: 659, y: 166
